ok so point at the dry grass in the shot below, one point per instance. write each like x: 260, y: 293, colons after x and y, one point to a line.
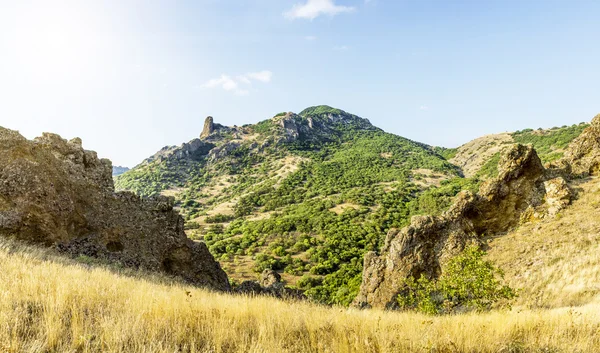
x: 50, y: 304
x: 474, y: 154
x: 556, y: 261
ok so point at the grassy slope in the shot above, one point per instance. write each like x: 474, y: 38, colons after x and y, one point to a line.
x: 59, y: 305
x: 478, y: 154
x: 556, y: 262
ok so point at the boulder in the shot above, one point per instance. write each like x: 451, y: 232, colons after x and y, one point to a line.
x: 55, y: 193
x: 270, y: 285
x: 269, y: 278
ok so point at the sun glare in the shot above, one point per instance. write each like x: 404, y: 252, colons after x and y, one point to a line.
x: 54, y: 40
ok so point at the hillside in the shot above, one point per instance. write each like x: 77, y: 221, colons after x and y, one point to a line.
x: 303, y: 194
x: 112, y: 309
x: 479, y: 156
x: 309, y: 194
x: 555, y: 261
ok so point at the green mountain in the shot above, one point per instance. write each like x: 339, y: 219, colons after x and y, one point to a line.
x: 306, y: 194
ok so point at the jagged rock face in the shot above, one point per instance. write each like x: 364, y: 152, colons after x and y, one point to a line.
x: 583, y: 154
x: 196, y: 149
x: 519, y: 185
x: 209, y: 127
x: 429, y: 242
x: 288, y: 123
x: 55, y: 193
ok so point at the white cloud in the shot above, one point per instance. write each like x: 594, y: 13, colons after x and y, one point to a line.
x: 424, y: 107
x: 315, y: 8
x: 310, y: 38
x: 232, y: 84
x: 262, y: 76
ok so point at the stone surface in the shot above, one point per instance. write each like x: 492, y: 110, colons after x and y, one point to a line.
x: 269, y: 278
x: 583, y: 154
x: 209, y: 127
x: 558, y: 195
x: 430, y: 241
x: 55, y: 193
x: 270, y: 285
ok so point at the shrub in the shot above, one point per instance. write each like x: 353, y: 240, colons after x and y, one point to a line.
x: 468, y: 282
x: 219, y: 218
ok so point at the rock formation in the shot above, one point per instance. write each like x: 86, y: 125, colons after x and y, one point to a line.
x: 270, y: 284
x: 583, y: 154
x: 55, y: 193
x: 430, y: 241
x: 209, y: 127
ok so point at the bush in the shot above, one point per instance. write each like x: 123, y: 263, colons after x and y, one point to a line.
x: 219, y: 218
x: 468, y: 282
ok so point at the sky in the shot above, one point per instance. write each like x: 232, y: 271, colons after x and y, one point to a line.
x: 130, y: 77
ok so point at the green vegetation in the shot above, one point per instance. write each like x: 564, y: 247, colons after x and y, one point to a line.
x: 468, y: 282
x: 321, y: 109
x: 549, y: 143
x: 490, y: 168
x: 349, y: 185
x: 447, y: 153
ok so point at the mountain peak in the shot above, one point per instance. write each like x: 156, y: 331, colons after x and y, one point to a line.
x: 322, y: 109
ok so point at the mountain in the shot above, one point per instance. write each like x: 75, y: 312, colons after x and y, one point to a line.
x: 118, y: 170
x: 309, y: 194
x: 305, y: 194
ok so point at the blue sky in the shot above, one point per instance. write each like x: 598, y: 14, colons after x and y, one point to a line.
x: 130, y: 77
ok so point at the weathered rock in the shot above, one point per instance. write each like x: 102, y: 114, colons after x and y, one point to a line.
x: 430, y: 241
x: 249, y: 287
x: 223, y: 151
x: 289, y: 126
x: 269, y: 278
x: 209, y: 127
x: 55, y: 193
x: 558, y: 195
x: 270, y: 285
x: 583, y: 153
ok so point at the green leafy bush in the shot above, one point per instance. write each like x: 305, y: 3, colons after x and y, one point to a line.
x: 468, y: 282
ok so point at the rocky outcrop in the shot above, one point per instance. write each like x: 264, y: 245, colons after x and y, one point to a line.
x: 270, y: 285
x: 55, y: 193
x: 195, y: 150
x: 209, y: 127
x: 430, y: 241
x: 583, y: 153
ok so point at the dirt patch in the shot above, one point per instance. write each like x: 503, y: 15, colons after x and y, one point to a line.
x: 339, y: 209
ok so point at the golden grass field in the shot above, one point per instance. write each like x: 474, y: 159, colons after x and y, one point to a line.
x: 50, y: 303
